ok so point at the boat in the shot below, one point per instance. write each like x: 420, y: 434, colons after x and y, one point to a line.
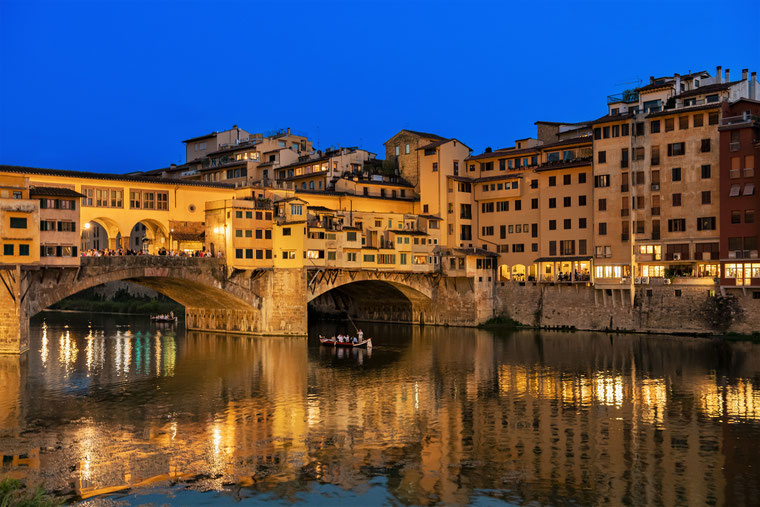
x: 161, y: 318
x: 333, y: 342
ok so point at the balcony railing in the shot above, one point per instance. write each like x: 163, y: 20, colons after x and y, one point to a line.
x: 738, y: 120
x: 627, y: 97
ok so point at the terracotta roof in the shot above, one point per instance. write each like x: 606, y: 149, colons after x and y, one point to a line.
x: 717, y: 87
x: 213, y: 134
x: 609, y: 118
x: 656, y: 86
x: 684, y: 110
x: 347, y: 194
x: 440, y: 142
x: 106, y: 176
x: 36, y: 191
x: 417, y: 133
x: 321, y: 209
x: 574, y: 140
x: 430, y: 217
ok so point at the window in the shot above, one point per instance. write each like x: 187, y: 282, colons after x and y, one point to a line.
x: 406, y: 149
x: 602, y: 157
x: 518, y: 205
x: 465, y: 211
x: 8, y: 249
x: 435, y: 167
x: 655, y: 159
x: 567, y: 201
x: 677, y: 225
x: 705, y: 147
x: 706, y: 223
x: 736, y: 217
x: 487, y: 230
x: 676, y: 199
x: 397, y: 150
x: 706, y: 171
x: 552, y: 202
x: 23, y: 250
x: 567, y: 247
x: 683, y: 122
x: 502, y: 206
x: 598, y: 133
x: 654, y: 126
x: 568, y: 223
x: 135, y: 198
x: 296, y: 209
x: 602, y: 228
x: 735, y: 191
x: 698, y: 120
x: 602, y: 204
x: 639, y: 153
x: 534, y: 203
x: 552, y: 225
x: 606, y: 132
x: 713, y: 118
x: 18, y: 223
x: 533, y: 183
x: 581, y: 200
x: 552, y: 248
x: 582, y: 178
x: 706, y: 197
x: 552, y: 181
x: 675, y: 174
x: 286, y: 231
x: 487, y: 207
x: 749, y: 216
x: 465, y: 233
x: 624, y: 129
x: 149, y: 200
x: 602, y: 180
x: 581, y: 223
x: 670, y: 124
x: 616, y: 131
x: 351, y: 256
x: 676, y: 149
x: 566, y: 179
x: 749, y: 189
x: 518, y: 247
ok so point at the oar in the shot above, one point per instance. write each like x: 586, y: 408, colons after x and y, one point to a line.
x: 352, y: 322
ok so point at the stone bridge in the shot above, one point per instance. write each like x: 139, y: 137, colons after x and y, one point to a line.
x: 264, y: 301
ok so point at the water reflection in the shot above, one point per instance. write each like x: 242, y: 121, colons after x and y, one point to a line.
x: 441, y: 415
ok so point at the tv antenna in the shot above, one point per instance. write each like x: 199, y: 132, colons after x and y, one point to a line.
x: 637, y: 82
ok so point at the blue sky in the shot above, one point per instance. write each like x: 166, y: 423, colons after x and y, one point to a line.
x: 115, y: 86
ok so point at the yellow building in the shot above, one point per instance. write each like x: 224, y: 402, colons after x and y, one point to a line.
x: 20, y: 221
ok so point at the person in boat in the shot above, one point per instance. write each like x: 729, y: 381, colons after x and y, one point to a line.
x: 340, y: 338
x: 355, y: 340
x: 361, y: 335
x: 171, y: 314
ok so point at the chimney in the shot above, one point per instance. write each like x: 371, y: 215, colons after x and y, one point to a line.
x: 651, y: 79
x: 728, y: 75
x: 718, y: 74
x: 678, y: 83
x: 288, y: 130
x: 753, y: 86
x: 744, y: 74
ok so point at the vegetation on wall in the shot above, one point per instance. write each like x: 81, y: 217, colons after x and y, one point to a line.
x: 721, y: 312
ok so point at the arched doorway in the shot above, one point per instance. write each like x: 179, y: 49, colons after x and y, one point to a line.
x: 148, y: 236
x: 100, y: 234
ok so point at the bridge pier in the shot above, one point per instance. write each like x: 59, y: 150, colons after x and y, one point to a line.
x: 14, y: 322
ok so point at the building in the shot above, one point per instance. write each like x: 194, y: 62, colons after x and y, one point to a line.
x: 740, y: 199
x: 60, y: 235
x: 320, y: 171
x: 19, y: 221
x: 402, y: 152
x: 657, y: 179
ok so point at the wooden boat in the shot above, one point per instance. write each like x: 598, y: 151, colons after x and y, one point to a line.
x: 159, y: 318
x: 333, y: 342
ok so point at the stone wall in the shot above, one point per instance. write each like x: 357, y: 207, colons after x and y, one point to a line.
x: 14, y: 326
x: 656, y: 308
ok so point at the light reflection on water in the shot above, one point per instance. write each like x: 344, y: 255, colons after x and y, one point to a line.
x: 430, y: 415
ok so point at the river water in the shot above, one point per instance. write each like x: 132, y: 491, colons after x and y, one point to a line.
x: 116, y: 410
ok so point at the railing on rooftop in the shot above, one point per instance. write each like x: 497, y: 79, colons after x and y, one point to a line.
x: 627, y: 97
x: 738, y: 120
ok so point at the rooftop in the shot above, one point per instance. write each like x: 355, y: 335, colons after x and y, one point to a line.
x: 36, y: 191
x: 107, y: 176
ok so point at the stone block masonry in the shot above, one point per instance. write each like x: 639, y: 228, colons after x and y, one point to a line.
x: 656, y: 308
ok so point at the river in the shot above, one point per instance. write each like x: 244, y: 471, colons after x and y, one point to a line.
x: 116, y: 409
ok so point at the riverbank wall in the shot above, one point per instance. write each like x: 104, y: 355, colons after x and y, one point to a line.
x: 655, y: 308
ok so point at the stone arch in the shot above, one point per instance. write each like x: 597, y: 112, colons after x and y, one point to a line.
x: 372, y: 299
x: 199, y: 285
x: 156, y: 232
x: 113, y: 230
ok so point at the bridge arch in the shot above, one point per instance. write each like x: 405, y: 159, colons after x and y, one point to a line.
x: 199, y: 284
x: 372, y: 295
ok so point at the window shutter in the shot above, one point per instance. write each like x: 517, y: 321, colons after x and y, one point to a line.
x: 74, y: 251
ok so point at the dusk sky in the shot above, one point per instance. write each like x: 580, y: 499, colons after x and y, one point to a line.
x: 116, y: 86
